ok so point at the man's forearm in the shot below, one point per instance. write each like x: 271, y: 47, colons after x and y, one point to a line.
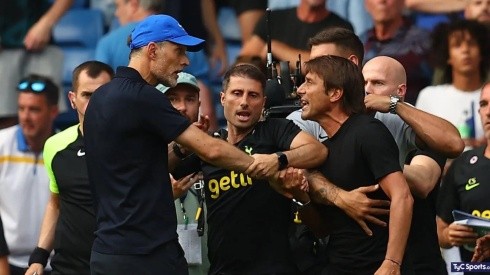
x: 48, y: 227
x: 399, y: 227
x: 321, y: 190
x: 436, y: 133
x: 436, y: 6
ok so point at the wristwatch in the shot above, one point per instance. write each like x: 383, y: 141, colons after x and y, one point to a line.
x: 283, y: 160
x: 393, y: 102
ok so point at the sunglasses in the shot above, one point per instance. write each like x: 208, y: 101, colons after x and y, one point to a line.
x: 35, y: 86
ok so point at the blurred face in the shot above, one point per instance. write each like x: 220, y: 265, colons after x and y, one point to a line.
x: 86, y: 87
x: 478, y: 10
x: 243, y: 102
x: 36, y: 116
x: 378, y: 80
x: 485, y: 111
x: 314, y: 100
x: 384, y: 11
x: 185, y: 99
x: 168, y: 60
x: 124, y: 10
x: 464, y: 53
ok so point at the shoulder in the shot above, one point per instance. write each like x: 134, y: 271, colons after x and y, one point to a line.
x: 64, y: 137
x: 8, y: 135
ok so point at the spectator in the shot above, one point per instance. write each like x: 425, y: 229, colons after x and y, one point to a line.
x: 110, y: 50
x: 460, y: 48
x: 473, y: 9
x: 396, y: 36
x: 25, y: 29
x: 128, y: 173
x: 464, y: 188
x: 290, y: 30
x: 69, y: 219
x: 23, y: 180
x: 350, y: 10
x: 4, y: 252
x: 248, y: 14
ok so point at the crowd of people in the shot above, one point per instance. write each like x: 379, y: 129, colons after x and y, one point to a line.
x: 389, y: 135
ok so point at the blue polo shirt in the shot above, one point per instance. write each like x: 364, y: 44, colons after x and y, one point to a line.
x: 127, y: 127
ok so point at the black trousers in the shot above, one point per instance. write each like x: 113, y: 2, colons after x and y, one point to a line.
x: 167, y: 259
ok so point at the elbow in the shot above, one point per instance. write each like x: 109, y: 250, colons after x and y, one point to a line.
x: 422, y: 192
x: 455, y: 148
x: 213, y: 153
x: 321, y: 155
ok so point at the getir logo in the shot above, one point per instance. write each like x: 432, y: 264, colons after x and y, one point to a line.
x: 235, y: 180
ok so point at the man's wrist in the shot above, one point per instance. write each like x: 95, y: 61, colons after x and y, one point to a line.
x: 40, y: 256
x: 177, y: 151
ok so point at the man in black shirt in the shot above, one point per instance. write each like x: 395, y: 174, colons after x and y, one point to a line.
x: 249, y: 221
x: 69, y: 219
x: 128, y: 125
x: 333, y: 95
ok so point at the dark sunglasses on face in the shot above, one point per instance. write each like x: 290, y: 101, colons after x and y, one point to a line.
x: 35, y: 86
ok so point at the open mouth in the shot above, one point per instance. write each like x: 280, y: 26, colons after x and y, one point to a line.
x: 243, y: 116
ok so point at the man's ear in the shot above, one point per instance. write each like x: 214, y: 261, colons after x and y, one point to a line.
x: 401, y: 90
x: 151, y: 50
x: 71, y: 97
x: 222, y: 97
x: 335, y: 94
x: 354, y: 59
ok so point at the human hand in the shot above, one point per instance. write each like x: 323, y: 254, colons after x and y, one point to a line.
x: 291, y: 183
x: 379, y: 103
x: 203, y: 123
x: 458, y: 234
x: 388, y: 268
x: 362, y: 209
x: 35, y: 268
x: 219, y: 58
x: 38, y: 36
x: 482, y: 249
x: 264, y: 166
x: 181, y: 186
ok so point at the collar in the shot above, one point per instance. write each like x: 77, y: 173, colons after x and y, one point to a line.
x: 128, y: 72
x: 21, y: 140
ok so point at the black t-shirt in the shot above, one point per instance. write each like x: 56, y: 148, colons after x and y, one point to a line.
x: 4, y: 250
x: 287, y: 28
x: 360, y: 154
x: 128, y: 125
x: 466, y: 187
x: 248, y: 221
x: 423, y: 245
x: 64, y: 156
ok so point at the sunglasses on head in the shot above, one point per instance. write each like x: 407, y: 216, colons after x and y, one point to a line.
x: 35, y: 86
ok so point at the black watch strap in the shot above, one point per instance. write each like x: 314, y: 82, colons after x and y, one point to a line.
x: 283, y: 160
